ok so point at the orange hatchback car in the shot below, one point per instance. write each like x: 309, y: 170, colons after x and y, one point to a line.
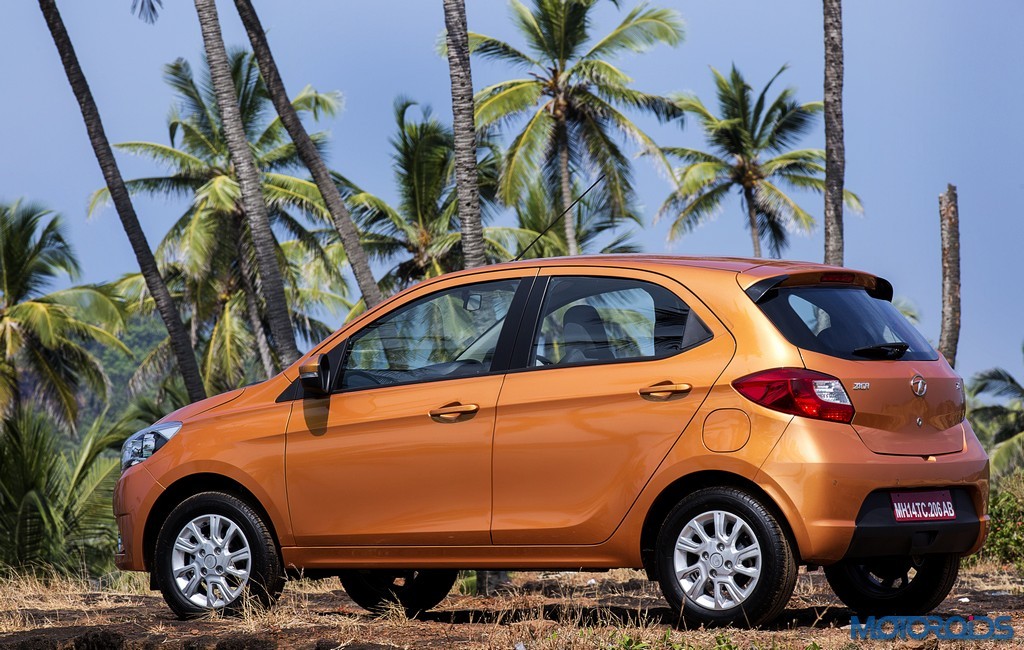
x: 716, y: 422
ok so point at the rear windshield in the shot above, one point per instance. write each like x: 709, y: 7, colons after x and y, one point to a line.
x: 838, y: 321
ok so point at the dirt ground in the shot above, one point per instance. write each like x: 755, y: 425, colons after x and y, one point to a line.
x: 617, y: 609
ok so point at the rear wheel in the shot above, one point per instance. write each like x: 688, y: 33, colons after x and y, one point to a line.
x: 413, y: 591
x: 910, y: 585
x: 723, y: 559
x: 212, y: 553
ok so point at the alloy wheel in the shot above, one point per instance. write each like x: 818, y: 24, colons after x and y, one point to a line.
x: 717, y: 560
x: 211, y: 561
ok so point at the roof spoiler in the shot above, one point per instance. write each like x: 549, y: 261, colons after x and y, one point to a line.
x: 882, y: 289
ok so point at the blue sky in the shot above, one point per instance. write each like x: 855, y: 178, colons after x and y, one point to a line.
x: 930, y: 94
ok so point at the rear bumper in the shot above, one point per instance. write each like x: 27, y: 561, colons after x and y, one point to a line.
x: 821, y: 476
x: 877, y: 532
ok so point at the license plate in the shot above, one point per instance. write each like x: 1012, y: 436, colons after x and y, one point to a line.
x: 923, y: 506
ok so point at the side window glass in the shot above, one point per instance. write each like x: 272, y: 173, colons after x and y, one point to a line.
x: 593, y: 320
x: 449, y: 334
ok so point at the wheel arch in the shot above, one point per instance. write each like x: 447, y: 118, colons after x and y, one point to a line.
x: 190, y: 485
x: 685, y: 485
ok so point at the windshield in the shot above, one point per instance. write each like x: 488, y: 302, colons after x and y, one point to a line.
x: 845, y: 322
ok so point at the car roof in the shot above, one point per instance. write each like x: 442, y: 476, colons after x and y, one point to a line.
x: 765, y: 267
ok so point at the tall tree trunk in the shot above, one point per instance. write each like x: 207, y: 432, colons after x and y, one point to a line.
x: 755, y: 236
x: 949, y: 229
x: 183, y: 352
x: 466, y: 184
x: 252, y: 307
x: 271, y: 281
x: 569, y: 218
x: 307, y: 151
x: 835, y: 149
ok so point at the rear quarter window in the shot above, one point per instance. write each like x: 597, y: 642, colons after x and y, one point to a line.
x: 837, y: 321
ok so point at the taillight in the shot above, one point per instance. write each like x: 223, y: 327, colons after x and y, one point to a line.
x: 799, y: 392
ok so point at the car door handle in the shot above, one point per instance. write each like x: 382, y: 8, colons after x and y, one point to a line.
x: 663, y: 391
x: 453, y: 412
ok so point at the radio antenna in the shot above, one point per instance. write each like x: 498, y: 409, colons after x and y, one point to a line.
x: 558, y: 218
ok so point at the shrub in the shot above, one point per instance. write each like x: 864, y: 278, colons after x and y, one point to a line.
x: 1005, y: 541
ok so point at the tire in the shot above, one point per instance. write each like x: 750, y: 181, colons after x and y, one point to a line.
x: 732, y: 522
x: 198, y: 571
x: 414, y: 591
x: 907, y: 585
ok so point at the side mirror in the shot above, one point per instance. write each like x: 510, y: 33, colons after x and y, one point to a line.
x: 315, y: 376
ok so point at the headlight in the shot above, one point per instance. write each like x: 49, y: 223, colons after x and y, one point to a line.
x: 143, y: 444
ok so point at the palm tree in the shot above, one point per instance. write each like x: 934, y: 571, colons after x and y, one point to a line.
x: 573, y: 96
x: 460, y: 72
x: 221, y: 328
x: 750, y: 142
x: 183, y: 353
x: 307, y: 146
x: 310, y: 155
x: 42, y: 334
x: 835, y: 149
x: 420, y: 234
x: 210, y: 246
x: 949, y: 235
x: 595, y: 220
x: 247, y: 175
x: 1001, y: 425
x: 55, y: 506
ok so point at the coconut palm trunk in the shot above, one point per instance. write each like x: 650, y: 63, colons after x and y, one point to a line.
x: 949, y: 229
x: 252, y: 307
x: 271, y: 280
x: 835, y: 150
x: 569, y: 219
x: 465, y: 133
x: 182, y: 349
x: 308, y: 152
x: 755, y: 235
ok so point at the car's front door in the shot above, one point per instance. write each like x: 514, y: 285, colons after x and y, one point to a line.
x: 400, y: 453
x: 616, y: 366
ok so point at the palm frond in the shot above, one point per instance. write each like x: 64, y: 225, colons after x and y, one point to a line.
x: 642, y: 28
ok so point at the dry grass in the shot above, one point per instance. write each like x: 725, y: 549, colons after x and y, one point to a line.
x: 541, y: 611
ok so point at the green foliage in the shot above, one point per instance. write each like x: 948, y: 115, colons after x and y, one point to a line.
x: 207, y: 257
x: 751, y: 142
x: 595, y: 219
x: 141, y: 335
x: 42, y: 334
x: 626, y: 642
x: 1005, y: 541
x: 1000, y: 426
x: 55, y: 506
x: 725, y: 642
x: 420, y: 234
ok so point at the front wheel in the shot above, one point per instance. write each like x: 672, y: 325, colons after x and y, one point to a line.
x: 723, y: 559
x: 212, y: 553
x: 910, y: 585
x: 414, y: 591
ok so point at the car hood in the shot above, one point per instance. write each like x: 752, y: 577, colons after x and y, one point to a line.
x: 202, y: 406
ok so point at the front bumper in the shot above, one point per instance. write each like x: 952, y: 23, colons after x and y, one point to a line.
x: 134, y: 495
x: 821, y: 476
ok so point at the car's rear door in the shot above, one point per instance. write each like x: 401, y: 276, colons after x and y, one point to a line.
x: 614, y: 366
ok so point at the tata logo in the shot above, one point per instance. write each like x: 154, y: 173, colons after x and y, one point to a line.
x: 919, y: 385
